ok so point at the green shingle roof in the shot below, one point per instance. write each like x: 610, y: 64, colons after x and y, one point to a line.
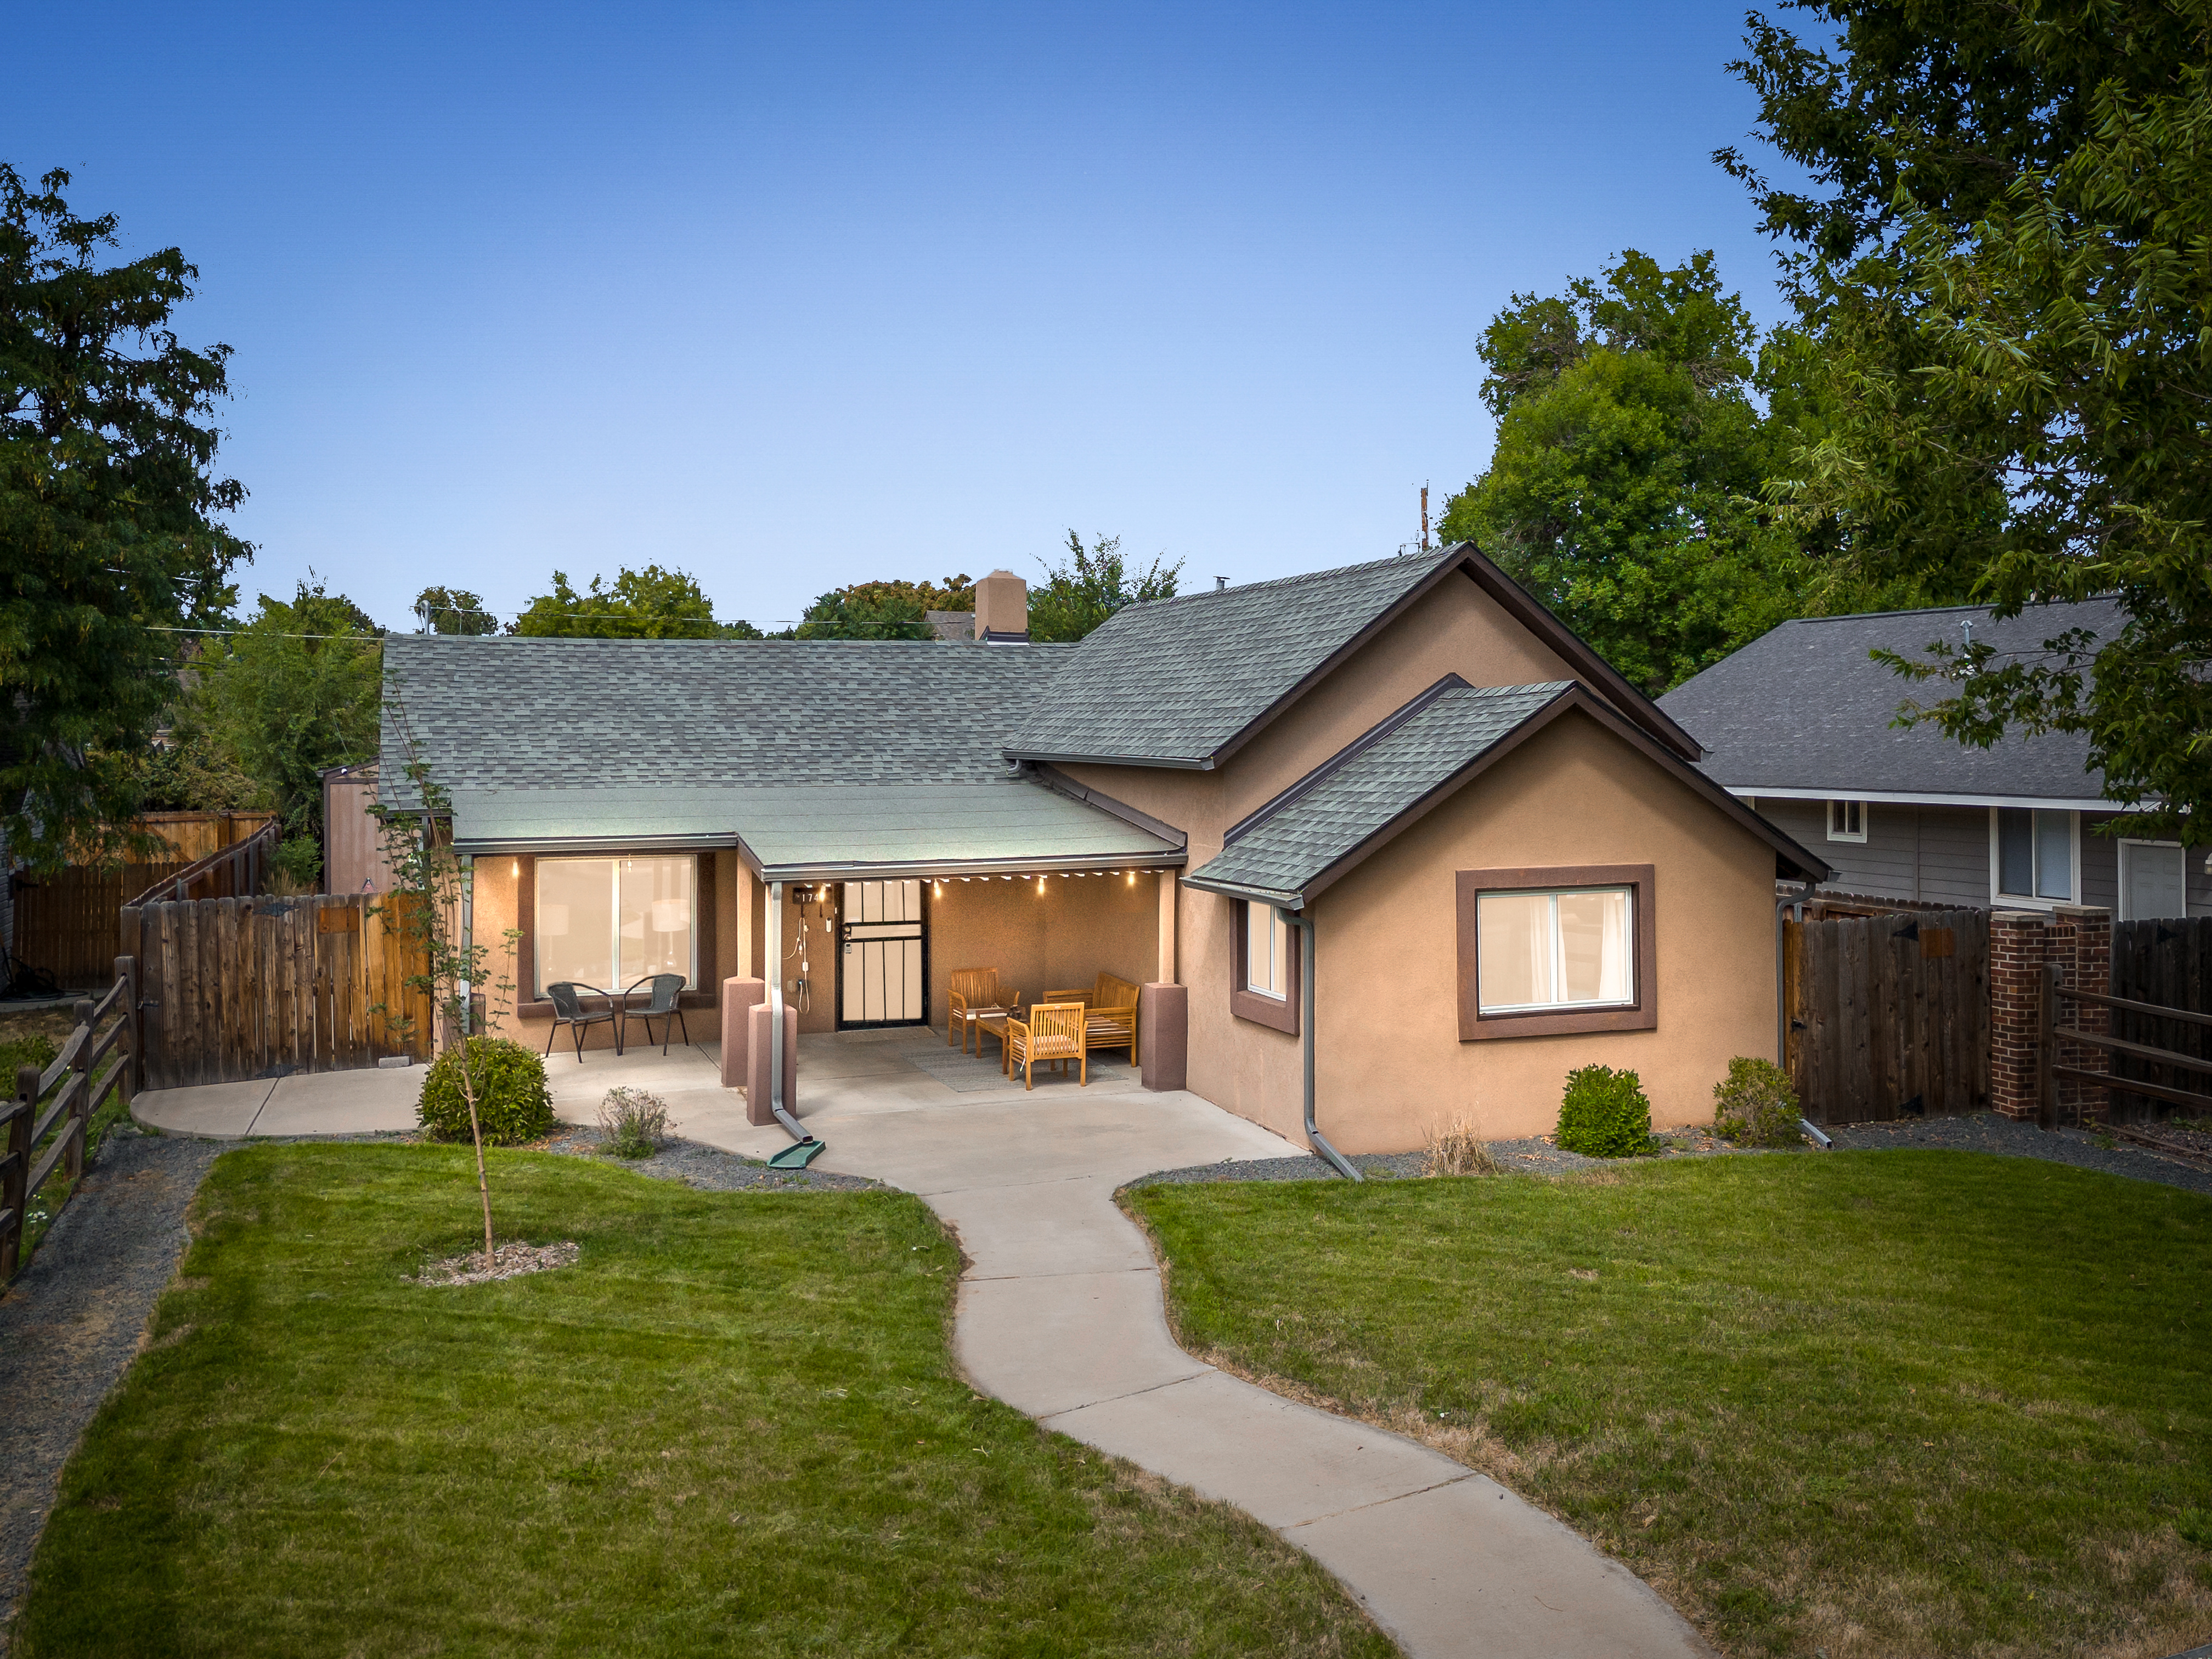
x: 1293, y: 840
x: 1172, y: 682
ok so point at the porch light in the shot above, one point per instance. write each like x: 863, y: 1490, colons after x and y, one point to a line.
x: 1132, y: 877
x: 514, y: 868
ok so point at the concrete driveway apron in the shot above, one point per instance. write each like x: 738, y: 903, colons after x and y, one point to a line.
x: 1060, y: 1314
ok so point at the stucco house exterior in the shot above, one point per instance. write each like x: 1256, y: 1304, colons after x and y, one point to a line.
x: 1496, y: 859
x: 1801, y: 723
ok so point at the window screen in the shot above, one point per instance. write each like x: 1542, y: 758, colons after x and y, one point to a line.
x: 2035, y: 852
x: 610, y: 922
x: 1266, y: 951
x: 1562, y: 950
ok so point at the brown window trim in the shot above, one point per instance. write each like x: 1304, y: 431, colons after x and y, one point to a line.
x: 1641, y: 1015
x: 526, y: 915
x: 1278, y: 1016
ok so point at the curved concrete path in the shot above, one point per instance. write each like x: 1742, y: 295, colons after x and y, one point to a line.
x: 1060, y: 1314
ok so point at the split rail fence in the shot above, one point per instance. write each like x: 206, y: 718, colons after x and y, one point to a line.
x: 1888, y: 1015
x: 238, y: 988
x: 28, y: 1123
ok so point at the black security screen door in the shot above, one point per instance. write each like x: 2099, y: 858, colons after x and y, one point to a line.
x: 882, y: 961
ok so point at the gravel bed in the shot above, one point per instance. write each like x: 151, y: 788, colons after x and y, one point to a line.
x: 708, y: 1168
x: 1986, y: 1132
x: 75, y: 1318
x: 1536, y: 1156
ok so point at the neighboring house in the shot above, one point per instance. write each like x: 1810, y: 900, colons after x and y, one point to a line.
x: 1801, y: 722
x: 1502, y: 856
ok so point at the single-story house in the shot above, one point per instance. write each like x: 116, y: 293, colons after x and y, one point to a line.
x: 1391, y: 828
x: 1802, y: 724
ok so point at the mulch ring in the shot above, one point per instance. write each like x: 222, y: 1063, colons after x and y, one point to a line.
x: 509, y: 1262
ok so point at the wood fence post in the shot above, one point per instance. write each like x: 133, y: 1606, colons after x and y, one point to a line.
x: 131, y: 1081
x: 16, y: 1171
x: 80, y: 1107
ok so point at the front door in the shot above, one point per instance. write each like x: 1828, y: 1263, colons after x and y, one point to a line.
x: 882, y: 961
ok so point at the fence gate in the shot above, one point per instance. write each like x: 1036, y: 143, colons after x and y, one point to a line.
x: 1888, y: 1015
x: 254, y: 987
x: 2168, y: 963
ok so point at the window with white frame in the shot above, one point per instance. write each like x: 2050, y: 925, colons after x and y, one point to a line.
x: 2034, y: 853
x: 2154, y: 880
x: 1267, y: 953
x: 1569, y: 949
x: 609, y: 922
x: 1847, y: 820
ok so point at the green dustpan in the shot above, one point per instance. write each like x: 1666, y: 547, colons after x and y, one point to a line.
x: 797, y: 1156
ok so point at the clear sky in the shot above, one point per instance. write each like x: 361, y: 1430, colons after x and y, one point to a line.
x: 790, y: 296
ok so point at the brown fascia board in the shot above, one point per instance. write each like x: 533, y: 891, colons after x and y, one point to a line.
x: 1524, y: 608
x: 1577, y: 697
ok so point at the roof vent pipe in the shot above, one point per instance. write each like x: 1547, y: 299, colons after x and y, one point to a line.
x: 1303, y: 923
x: 1220, y: 582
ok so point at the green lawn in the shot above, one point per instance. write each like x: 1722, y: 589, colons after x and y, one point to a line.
x: 1864, y: 1403
x: 733, y: 1428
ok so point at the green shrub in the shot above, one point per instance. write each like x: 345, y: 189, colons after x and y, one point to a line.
x: 513, y: 1103
x: 633, y: 1123
x: 300, y: 862
x: 1755, y: 1106
x: 1604, y: 1114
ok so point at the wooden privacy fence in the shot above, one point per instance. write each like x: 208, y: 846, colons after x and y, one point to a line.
x: 1888, y: 1015
x: 254, y: 987
x: 28, y: 1123
x: 65, y: 922
x: 2167, y: 964
x: 227, y: 873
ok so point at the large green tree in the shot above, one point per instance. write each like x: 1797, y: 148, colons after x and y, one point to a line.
x: 890, y: 609
x: 1091, y: 583
x: 650, y: 603
x: 111, y: 519
x: 2006, y: 248
x: 453, y: 610
x: 1633, y: 442
x: 293, y: 691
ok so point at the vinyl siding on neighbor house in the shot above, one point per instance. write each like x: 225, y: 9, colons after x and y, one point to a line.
x: 1941, y: 854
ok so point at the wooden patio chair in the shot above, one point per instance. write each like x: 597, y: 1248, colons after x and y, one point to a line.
x: 976, y: 995
x: 569, y: 1010
x: 1109, y: 1012
x: 1053, y: 1033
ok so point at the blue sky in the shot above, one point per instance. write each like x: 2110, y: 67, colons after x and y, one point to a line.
x: 792, y: 296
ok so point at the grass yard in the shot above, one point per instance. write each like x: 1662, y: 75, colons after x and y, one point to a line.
x: 733, y: 1428
x: 1857, y: 1403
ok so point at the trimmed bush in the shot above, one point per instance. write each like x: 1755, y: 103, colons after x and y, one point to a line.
x: 513, y: 1103
x: 1755, y: 1106
x: 299, y: 862
x: 1604, y: 1114
x: 633, y: 1123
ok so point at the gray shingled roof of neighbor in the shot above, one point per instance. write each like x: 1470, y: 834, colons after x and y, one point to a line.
x: 1281, y: 850
x: 1803, y: 709
x: 1171, y: 683
x: 877, y: 748
x: 819, y: 831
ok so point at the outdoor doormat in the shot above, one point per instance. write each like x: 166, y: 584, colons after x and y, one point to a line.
x: 509, y: 1262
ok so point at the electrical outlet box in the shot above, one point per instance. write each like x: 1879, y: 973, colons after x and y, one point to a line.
x: 799, y: 985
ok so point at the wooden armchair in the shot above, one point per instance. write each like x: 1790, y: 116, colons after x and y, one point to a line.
x: 976, y: 995
x: 1055, y: 1033
x: 1109, y: 1012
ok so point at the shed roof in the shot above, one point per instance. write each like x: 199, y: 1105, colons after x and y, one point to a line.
x: 1805, y: 709
x: 1325, y: 824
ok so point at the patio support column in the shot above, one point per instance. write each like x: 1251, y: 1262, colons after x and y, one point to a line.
x: 1168, y: 885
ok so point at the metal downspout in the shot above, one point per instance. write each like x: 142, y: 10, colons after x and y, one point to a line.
x: 792, y: 1126
x: 1303, y: 923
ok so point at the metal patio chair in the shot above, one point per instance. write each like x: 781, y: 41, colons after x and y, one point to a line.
x: 661, y: 1006
x: 569, y: 1010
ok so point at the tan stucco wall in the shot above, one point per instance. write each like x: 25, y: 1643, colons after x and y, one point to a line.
x: 1082, y: 926
x: 1389, y: 1062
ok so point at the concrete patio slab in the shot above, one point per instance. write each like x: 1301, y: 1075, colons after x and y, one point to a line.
x: 344, y: 1103
x: 221, y: 1111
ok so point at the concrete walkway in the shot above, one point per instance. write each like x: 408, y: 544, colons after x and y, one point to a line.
x: 1060, y: 1314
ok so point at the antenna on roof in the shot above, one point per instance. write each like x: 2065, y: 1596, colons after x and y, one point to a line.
x: 1424, y: 518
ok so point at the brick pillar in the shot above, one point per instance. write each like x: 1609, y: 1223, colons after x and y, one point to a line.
x: 2018, y: 948
x: 2081, y: 944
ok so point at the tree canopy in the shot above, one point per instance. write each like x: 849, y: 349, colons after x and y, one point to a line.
x: 890, y: 609
x: 1632, y: 448
x: 2004, y: 257
x: 650, y: 603
x: 110, y: 519
x: 454, y: 610
x: 294, y: 690
x: 1089, y: 585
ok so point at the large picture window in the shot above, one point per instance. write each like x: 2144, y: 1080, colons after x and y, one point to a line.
x: 609, y: 922
x: 1556, y: 950
x: 1548, y: 951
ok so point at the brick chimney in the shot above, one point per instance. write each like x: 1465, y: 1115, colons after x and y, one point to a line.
x: 1002, y: 609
